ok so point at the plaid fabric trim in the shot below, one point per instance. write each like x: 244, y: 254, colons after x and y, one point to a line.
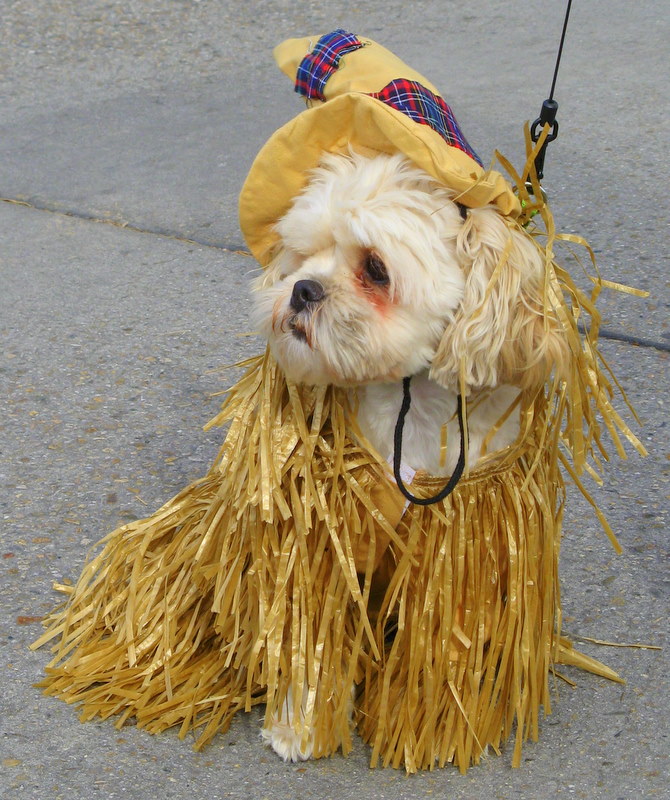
x: 421, y: 105
x: 317, y: 67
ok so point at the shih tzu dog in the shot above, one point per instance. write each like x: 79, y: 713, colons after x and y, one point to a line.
x: 380, y: 274
x: 401, y: 279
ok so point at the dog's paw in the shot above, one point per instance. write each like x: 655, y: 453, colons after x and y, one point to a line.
x: 297, y: 742
x: 284, y: 737
x: 286, y: 742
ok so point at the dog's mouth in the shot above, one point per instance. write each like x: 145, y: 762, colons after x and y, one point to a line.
x: 299, y: 334
x: 298, y: 330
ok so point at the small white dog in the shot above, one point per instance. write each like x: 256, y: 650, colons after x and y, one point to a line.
x: 380, y: 275
x: 397, y: 270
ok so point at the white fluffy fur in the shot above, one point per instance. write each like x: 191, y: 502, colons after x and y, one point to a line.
x: 443, y: 306
x: 352, y: 205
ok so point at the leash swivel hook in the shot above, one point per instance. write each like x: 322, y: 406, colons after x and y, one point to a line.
x: 549, y: 109
x: 547, y: 117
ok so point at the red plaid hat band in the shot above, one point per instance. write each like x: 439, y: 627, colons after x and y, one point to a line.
x: 409, y: 97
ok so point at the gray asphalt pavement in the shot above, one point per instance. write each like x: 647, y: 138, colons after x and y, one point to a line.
x: 126, y: 130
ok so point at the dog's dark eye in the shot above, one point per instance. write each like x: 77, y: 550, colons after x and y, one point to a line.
x: 375, y: 271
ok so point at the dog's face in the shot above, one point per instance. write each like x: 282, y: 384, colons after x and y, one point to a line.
x: 367, y: 277
x: 379, y: 277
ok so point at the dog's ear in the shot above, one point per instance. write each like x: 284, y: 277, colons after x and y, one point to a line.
x: 505, y: 330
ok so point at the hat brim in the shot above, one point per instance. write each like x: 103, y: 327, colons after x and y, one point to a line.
x: 281, y: 169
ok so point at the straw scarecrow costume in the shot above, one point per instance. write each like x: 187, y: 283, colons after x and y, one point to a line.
x: 295, y: 558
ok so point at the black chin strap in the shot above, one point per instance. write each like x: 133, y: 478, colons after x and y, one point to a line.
x: 462, y: 210
x: 397, y: 451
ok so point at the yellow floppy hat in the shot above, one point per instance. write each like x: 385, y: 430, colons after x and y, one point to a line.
x: 362, y: 96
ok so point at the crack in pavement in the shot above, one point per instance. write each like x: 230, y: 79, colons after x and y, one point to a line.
x: 165, y: 234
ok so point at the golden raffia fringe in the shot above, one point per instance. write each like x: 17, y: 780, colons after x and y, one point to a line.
x: 288, y: 565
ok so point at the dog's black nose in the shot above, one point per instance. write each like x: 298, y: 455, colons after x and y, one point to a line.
x: 305, y: 292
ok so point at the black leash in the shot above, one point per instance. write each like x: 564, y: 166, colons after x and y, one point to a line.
x: 549, y: 109
x: 547, y: 117
x: 397, y: 451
